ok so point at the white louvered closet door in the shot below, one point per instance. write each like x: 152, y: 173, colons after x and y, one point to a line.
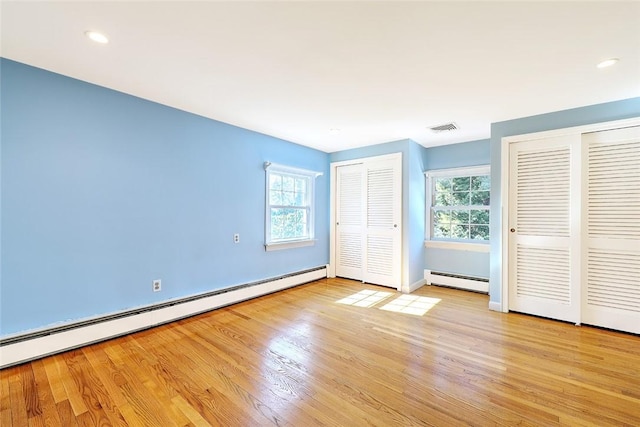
x: 350, y: 230
x: 383, y: 227
x: 611, y: 291
x: 543, y: 174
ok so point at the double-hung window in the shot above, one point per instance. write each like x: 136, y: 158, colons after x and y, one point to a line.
x: 289, y: 207
x: 458, y: 205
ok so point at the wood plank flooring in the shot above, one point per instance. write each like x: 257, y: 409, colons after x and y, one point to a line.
x: 301, y: 358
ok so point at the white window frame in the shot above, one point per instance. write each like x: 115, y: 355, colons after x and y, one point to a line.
x: 467, y: 245
x: 309, y: 205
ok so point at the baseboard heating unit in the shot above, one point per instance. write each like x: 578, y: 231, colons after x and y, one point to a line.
x: 477, y: 284
x: 36, y: 344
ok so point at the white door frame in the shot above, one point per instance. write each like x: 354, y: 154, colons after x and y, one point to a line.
x: 504, y: 184
x: 333, y: 191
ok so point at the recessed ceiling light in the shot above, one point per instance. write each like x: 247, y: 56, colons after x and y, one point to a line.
x: 607, y: 63
x: 97, y: 37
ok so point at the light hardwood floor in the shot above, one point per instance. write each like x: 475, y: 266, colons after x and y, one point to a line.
x: 301, y: 358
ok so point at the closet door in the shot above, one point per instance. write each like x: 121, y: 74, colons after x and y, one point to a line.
x: 611, y: 291
x: 543, y: 251
x: 383, y: 228
x: 368, y: 221
x: 350, y: 230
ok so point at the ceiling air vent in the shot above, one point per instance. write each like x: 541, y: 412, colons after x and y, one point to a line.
x: 444, y: 128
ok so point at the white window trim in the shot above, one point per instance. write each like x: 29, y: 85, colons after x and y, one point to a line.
x: 294, y: 243
x: 480, y: 246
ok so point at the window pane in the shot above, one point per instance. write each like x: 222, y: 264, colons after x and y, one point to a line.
x: 480, y: 217
x: 275, y: 182
x: 480, y: 232
x: 442, y: 216
x: 301, y: 185
x: 275, y: 197
x: 480, y: 198
x: 443, y: 184
x: 289, y: 205
x: 461, y: 184
x: 452, y: 198
x: 460, y: 217
x: 277, y: 224
x: 288, y: 183
x: 444, y: 199
x: 288, y: 223
x: 442, y: 231
x: 288, y: 198
x: 481, y: 183
x: 459, y: 231
x: 461, y: 199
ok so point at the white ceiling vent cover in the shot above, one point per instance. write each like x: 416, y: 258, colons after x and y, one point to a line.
x: 444, y: 128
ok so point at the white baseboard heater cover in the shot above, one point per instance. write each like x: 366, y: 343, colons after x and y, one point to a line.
x: 23, y: 348
x: 470, y: 283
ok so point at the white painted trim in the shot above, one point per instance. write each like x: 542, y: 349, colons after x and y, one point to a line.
x: 288, y: 245
x: 331, y: 267
x: 594, y: 127
x: 495, y: 306
x: 505, y: 173
x: 365, y: 159
x: 22, y: 351
x: 414, y: 286
x: 291, y: 169
x: 459, y: 246
x: 427, y: 275
x: 470, y: 170
x: 504, y: 184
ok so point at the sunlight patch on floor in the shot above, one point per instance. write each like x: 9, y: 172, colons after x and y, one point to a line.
x: 365, y: 298
x: 410, y: 304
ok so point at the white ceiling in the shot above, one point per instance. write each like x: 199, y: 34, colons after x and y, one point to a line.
x: 378, y: 71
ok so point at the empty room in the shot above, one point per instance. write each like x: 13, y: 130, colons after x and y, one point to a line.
x: 292, y: 213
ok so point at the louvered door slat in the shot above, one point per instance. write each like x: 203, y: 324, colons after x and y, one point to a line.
x: 383, y: 232
x: 543, y: 193
x: 540, y: 278
x: 350, y: 212
x: 350, y: 229
x: 611, y: 297
x: 380, y: 198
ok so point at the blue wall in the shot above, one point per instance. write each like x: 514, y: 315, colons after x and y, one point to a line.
x: 413, y: 198
x: 103, y: 192
x: 609, y: 111
x: 416, y: 217
x: 466, y: 154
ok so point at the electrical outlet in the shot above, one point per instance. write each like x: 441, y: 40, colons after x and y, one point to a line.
x: 236, y: 238
x: 157, y: 285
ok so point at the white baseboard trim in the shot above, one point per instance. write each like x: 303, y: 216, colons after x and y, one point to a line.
x: 20, y: 351
x: 495, y: 306
x: 414, y: 286
x: 427, y: 275
x: 476, y: 284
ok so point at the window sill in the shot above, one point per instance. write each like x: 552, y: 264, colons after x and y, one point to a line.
x: 459, y: 246
x: 288, y: 245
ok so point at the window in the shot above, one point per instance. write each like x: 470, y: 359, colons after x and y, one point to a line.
x: 289, y: 207
x: 458, y: 204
